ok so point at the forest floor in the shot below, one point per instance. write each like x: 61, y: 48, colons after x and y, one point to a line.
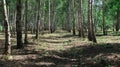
x: 62, y: 49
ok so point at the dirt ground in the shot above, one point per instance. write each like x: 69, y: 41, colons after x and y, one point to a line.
x: 63, y: 50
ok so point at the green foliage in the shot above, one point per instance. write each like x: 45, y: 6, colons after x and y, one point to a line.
x: 61, y: 9
x: 108, y: 66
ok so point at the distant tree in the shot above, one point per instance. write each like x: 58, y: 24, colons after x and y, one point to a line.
x: 19, y: 25
x: 91, y: 34
x: 7, y: 29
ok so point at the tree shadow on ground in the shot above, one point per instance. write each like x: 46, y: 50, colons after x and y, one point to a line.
x: 95, y: 55
x: 98, y: 54
x: 57, y: 37
x: 29, y: 48
x: 52, y: 41
x: 94, y: 49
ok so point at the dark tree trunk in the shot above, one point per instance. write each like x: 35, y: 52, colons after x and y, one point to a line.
x: 19, y: 25
x: 73, y: 21
x: 91, y: 34
x: 7, y: 29
x: 104, y: 24
x: 38, y: 19
x: 118, y: 21
x: 26, y: 22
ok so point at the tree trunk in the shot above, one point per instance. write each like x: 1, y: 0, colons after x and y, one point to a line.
x: 91, y: 34
x: 53, y: 17
x: 54, y: 22
x: 38, y: 20
x: 26, y: 21
x: 104, y: 24
x: 80, y: 20
x: 19, y: 25
x: 73, y: 21
x: 118, y: 21
x: 68, y: 28
x: 49, y: 16
x: 7, y: 29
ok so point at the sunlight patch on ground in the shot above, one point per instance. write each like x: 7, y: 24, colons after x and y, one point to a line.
x: 108, y: 39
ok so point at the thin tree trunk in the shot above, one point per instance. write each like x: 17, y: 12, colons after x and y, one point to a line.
x: 14, y: 23
x: 54, y: 22
x: 7, y: 29
x: 104, y: 24
x: 44, y: 16
x: 19, y: 25
x: 95, y: 18
x: 26, y: 22
x: 68, y: 18
x: 49, y: 15
x: 38, y: 20
x: 118, y: 21
x: 73, y: 21
x: 52, y: 17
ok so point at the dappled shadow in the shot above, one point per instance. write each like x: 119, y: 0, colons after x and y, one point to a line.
x: 2, y: 41
x: 80, y: 55
x: 61, y: 36
x: 53, y: 41
x: 57, y: 39
x: 51, y: 37
x: 68, y: 36
x: 29, y: 49
x: 93, y: 50
x: 2, y: 46
x: 24, y: 63
x: 95, y: 55
x: 100, y: 35
x: 110, y: 33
